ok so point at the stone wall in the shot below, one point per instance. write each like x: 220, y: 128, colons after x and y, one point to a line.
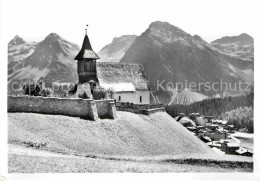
x: 77, y: 107
x: 141, y: 111
x: 106, y: 108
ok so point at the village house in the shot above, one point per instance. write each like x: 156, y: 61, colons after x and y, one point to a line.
x: 220, y: 123
x: 225, y: 146
x: 244, y: 152
x: 127, y: 81
x: 217, y: 134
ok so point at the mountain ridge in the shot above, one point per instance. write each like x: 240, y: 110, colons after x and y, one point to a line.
x: 241, y: 46
x: 165, y: 51
x: 169, y: 54
x: 114, y: 51
x: 52, y: 60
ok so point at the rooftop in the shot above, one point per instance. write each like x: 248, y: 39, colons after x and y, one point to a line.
x: 86, y: 51
x: 121, y: 76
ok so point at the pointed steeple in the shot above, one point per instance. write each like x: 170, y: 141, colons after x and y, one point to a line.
x: 86, y: 51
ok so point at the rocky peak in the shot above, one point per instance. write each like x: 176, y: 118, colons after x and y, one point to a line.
x: 53, y: 37
x: 124, y: 38
x: 242, y: 39
x: 56, y: 44
x: 17, y: 40
x: 166, y: 28
x: 163, y: 32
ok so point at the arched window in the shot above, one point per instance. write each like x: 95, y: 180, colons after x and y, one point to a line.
x: 119, y: 98
x: 141, y: 99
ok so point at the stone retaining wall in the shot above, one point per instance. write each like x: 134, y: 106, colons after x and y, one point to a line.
x: 106, y: 108
x: 84, y: 108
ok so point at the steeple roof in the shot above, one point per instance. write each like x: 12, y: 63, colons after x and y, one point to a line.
x: 86, y: 51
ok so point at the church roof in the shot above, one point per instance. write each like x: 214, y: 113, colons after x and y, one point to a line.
x: 121, y: 76
x: 86, y: 50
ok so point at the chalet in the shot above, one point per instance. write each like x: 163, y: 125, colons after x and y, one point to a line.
x: 229, y: 148
x: 220, y: 123
x: 217, y: 134
x: 205, y: 139
x: 244, y: 152
x: 186, y: 122
x: 128, y: 81
x: 200, y: 121
x: 225, y: 146
x: 208, y: 118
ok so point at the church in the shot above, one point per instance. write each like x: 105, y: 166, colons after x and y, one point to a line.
x: 128, y: 81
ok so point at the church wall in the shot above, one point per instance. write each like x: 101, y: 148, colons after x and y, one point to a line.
x: 133, y: 97
x: 145, y: 96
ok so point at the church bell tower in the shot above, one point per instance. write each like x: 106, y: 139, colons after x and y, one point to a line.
x: 87, y: 70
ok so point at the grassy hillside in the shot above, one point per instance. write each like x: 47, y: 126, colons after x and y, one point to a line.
x: 131, y: 135
x: 61, y: 164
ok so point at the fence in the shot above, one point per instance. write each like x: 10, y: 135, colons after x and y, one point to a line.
x: 139, y: 108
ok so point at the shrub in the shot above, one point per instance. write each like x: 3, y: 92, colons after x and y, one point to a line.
x: 32, y: 89
x: 46, y: 92
x: 99, y: 93
x: 36, y: 89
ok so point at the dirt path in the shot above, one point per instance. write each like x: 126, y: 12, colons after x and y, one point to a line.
x: 23, y: 150
x: 246, y: 140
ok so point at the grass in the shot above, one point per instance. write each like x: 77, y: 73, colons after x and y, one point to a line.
x: 130, y: 135
x: 133, y: 143
x: 40, y: 164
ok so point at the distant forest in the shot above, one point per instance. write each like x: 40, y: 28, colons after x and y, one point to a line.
x: 242, y: 118
x: 237, y: 110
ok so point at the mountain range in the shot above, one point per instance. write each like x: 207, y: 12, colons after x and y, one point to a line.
x: 51, y: 60
x: 241, y: 46
x: 114, y: 51
x: 170, y: 55
x: 167, y: 53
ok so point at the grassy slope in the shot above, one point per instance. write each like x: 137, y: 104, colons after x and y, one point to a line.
x: 131, y: 135
x: 32, y: 164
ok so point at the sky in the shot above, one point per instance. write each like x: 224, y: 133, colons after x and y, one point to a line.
x: 33, y: 20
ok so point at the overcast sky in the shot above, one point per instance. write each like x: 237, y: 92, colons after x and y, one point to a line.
x: 35, y: 19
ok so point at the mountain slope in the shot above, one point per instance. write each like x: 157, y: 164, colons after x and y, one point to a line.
x: 170, y: 55
x: 18, y: 50
x: 114, y: 51
x: 186, y: 97
x: 51, y: 61
x: 241, y: 46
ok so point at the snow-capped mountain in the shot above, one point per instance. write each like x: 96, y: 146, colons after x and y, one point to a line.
x: 52, y: 60
x: 170, y: 55
x: 18, y: 50
x: 114, y: 51
x: 241, y: 46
